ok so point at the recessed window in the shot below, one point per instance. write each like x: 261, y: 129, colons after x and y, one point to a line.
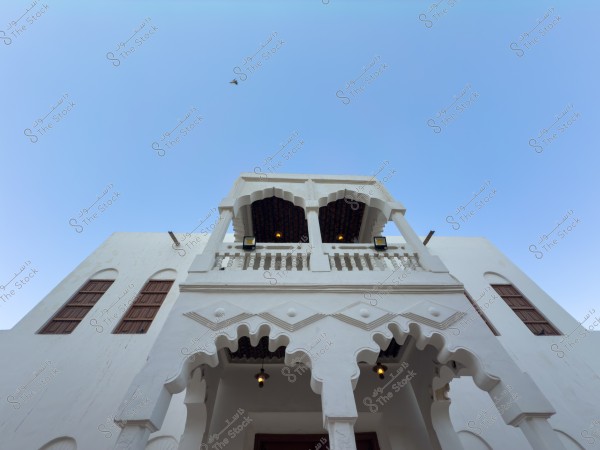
x: 69, y: 316
x: 140, y: 315
x: 529, y: 315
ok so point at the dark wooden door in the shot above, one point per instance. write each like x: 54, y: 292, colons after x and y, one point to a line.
x: 364, y: 441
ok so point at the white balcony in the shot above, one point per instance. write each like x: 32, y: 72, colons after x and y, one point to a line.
x: 296, y: 257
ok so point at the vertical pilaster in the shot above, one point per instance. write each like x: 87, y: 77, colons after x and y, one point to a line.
x: 319, y: 262
x: 522, y: 404
x: 205, y: 261
x: 428, y: 261
x: 539, y: 433
x: 440, y: 418
x: 341, y: 434
x: 195, y: 424
x: 339, y: 413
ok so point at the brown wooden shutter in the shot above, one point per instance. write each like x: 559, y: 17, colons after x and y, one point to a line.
x: 483, y: 316
x: 529, y: 315
x: 69, y: 316
x: 140, y: 315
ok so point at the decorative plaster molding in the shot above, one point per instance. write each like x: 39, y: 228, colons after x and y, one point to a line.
x: 364, y: 316
x: 292, y: 316
x: 433, y: 315
x: 218, y: 315
x: 341, y: 288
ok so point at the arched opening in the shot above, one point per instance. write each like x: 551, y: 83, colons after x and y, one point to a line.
x: 340, y: 221
x: 354, y: 214
x: 236, y: 411
x: 402, y: 398
x: 277, y: 220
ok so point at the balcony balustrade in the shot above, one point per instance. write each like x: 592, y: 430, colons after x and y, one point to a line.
x: 296, y: 257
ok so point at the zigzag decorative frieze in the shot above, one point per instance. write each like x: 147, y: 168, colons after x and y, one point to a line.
x: 365, y: 326
x: 218, y: 325
x: 292, y: 327
x: 432, y: 323
x: 345, y: 315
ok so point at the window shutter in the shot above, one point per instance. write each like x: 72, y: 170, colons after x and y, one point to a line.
x: 140, y: 315
x: 69, y: 316
x: 529, y: 315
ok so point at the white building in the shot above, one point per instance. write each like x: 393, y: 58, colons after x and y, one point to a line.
x: 152, y: 345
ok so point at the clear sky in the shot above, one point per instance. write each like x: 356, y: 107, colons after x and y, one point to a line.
x: 451, y: 96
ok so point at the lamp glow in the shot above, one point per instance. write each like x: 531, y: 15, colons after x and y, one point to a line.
x: 261, y: 377
x: 380, y: 369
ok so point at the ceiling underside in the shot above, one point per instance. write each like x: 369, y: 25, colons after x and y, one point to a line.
x: 246, y: 353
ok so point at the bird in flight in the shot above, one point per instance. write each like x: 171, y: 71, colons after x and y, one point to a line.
x: 234, y: 81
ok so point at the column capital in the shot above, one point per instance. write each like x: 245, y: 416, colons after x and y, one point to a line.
x: 396, y: 207
x: 520, y: 401
x: 311, y: 205
x: 144, y: 423
x: 133, y: 437
x: 227, y: 203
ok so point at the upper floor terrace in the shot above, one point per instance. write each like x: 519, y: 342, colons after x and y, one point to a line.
x: 313, y: 229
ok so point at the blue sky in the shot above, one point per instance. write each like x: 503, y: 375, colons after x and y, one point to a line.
x: 499, y: 89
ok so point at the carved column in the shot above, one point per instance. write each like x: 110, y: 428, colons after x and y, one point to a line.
x: 539, y: 433
x: 318, y: 260
x: 195, y: 424
x: 205, y: 261
x: 339, y: 414
x: 440, y: 418
x: 428, y: 261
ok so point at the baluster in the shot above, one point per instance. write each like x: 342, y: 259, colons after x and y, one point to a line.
x: 239, y: 261
x: 294, y: 261
x: 218, y: 261
x: 342, y: 258
x: 388, y: 262
x: 410, y: 262
x: 363, y: 261
x: 354, y: 261
x: 230, y: 262
x: 405, y: 261
x: 332, y: 262
x: 261, y: 261
x: 392, y: 260
x: 415, y: 263
x: 304, y: 261
x: 251, y: 260
x: 380, y: 262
